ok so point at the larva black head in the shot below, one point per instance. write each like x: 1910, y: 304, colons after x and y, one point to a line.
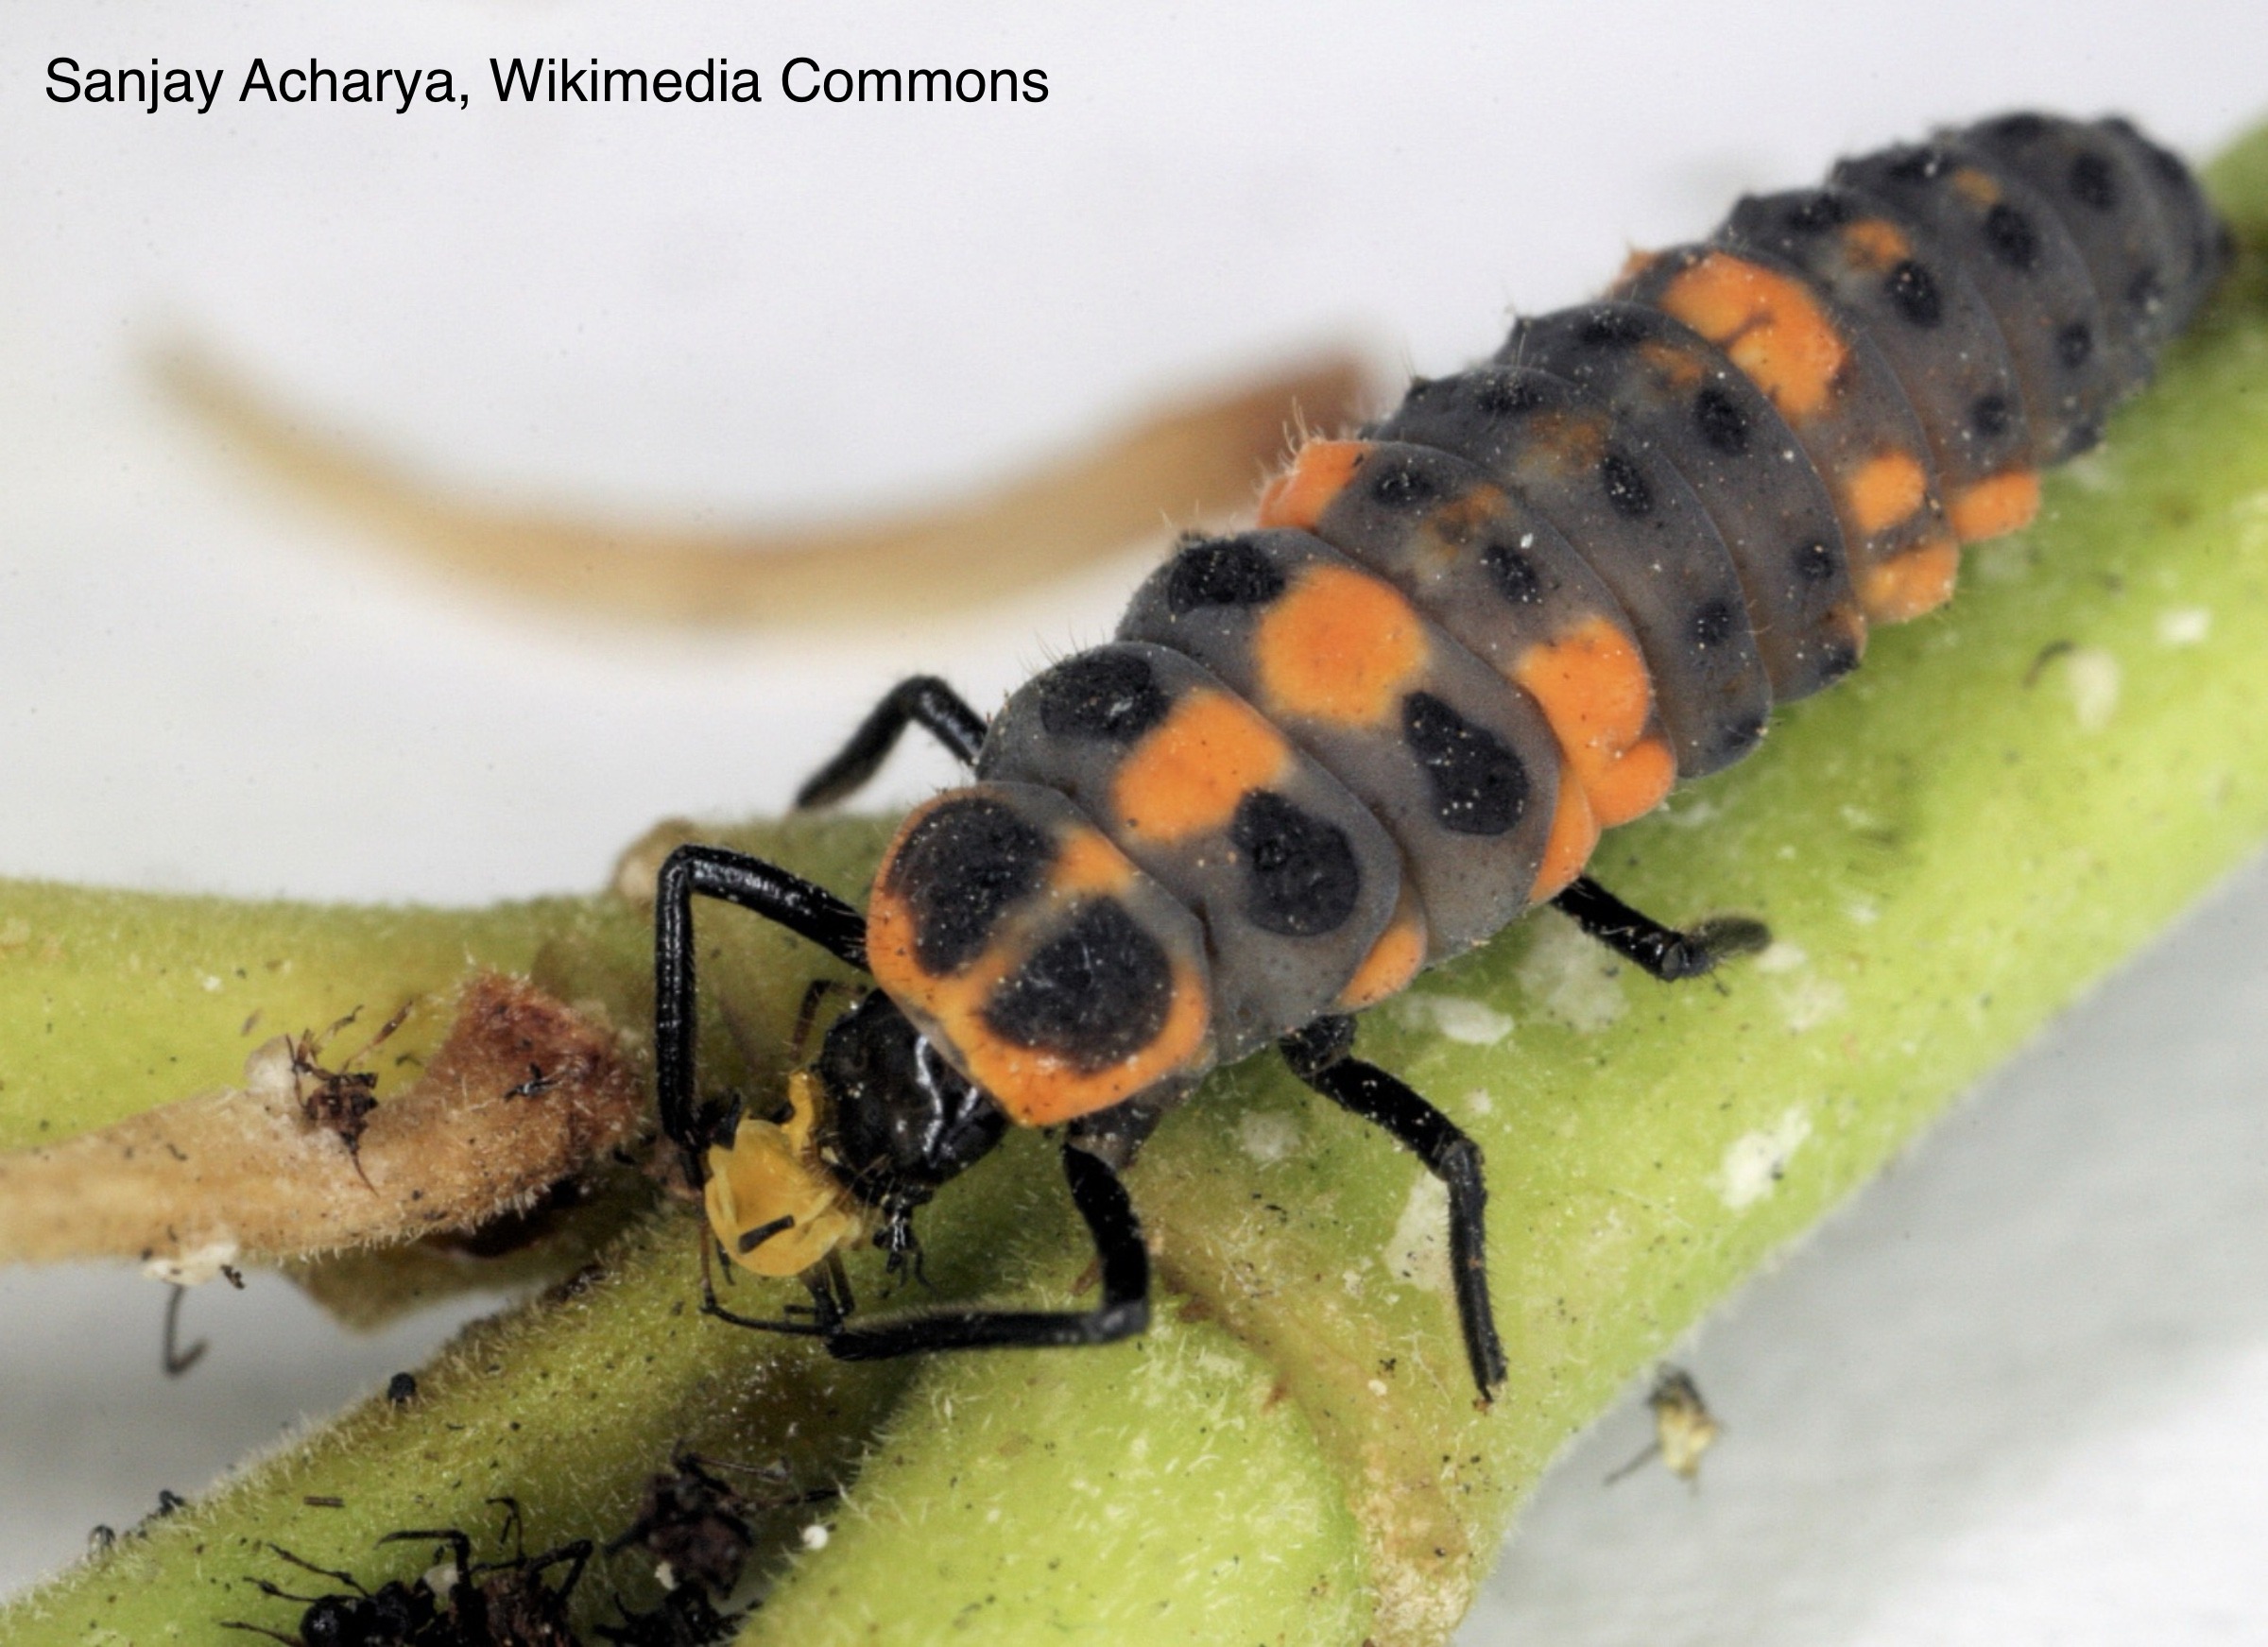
x: 876, y: 1125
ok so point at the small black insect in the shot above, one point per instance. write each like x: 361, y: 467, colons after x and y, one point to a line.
x: 498, y: 1604
x: 339, y: 1101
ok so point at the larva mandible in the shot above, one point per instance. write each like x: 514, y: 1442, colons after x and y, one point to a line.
x: 1360, y: 738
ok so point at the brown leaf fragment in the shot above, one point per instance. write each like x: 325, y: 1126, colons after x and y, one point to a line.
x: 255, y: 1175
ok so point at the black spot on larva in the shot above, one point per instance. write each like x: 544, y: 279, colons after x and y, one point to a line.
x: 1990, y: 416
x: 1818, y: 212
x: 1399, y: 484
x: 2145, y: 291
x: 959, y: 869
x: 1110, y: 695
x: 1224, y: 572
x: 2093, y: 183
x: 1098, y: 992
x: 1740, y: 738
x: 1914, y: 290
x: 1724, y: 424
x: 1816, y: 563
x: 2074, y: 343
x: 1505, y: 394
x: 2011, y: 237
x: 1919, y: 165
x: 1479, y: 786
x: 1625, y: 486
x: 1514, y: 575
x: 1615, y: 328
x: 1712, y: 623
x: 1302, y: 876
x: 1836, y: 660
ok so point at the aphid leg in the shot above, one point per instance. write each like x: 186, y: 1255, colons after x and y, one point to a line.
x: 460, y: 1547
x: 1319, y: 1055
x: 925, y: 702
x: 305, y: 1566
x: 176, y: 1360
x: 1659, y: 952
x: 1125, y: 1309
x: 808, y: 911
x: 576, y: 1554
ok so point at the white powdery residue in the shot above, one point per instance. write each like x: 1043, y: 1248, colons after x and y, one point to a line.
x: 1568, y: 976
x: 1416, y: 1253
x: 815, y: 1535
x: 2184, y: 625
x: 193, y: 1268
x: 2003, y: 561
x: 1457, y: 1018
x: 2092, y: 472
x: 1268, y: 1137
x: 1862, y: 911
x: 1691, y: 814
x: 1858, y: 817
x: 1807, y: 1003
x: 1479, y: 1101
x: 1755, y: 1161
x: 2090, y: 674
x: 1781, y: 957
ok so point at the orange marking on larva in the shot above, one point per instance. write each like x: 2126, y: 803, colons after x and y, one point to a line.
x: 1039, y: 1089
x: 1631, y: 785
x: 1674, y: 367
x: 2005, y: 503
x: 1978, y: 188
x: 1771, y: 326
x: 1574, y: 836
x: 1086, y: 862
x: 1876, y: 244
x: 1392, y: 962
x: 1339, y: 646
x: 1186, y: 777
x: 1594, y: 691
x: 1906, y: 586
x: 1884, y: 489
x: 1321, y: 468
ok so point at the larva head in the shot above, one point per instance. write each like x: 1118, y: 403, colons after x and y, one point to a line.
x: 875, y: 1127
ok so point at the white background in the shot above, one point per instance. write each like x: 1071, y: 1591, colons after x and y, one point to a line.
x: 2016, y: 1396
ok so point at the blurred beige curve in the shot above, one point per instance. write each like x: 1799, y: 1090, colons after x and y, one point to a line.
x: 1196, y: 459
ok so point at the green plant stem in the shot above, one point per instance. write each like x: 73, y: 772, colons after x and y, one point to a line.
x: 2005, y: 803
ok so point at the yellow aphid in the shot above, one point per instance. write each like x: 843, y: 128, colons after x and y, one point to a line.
x: 771, y: 1173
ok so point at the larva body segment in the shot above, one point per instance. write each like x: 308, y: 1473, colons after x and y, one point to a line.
x: 1368, y: 735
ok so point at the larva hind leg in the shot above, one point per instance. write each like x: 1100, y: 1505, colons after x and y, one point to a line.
x: 1659, y: 952
x: 1317, y: 1055
x: 924, y: 701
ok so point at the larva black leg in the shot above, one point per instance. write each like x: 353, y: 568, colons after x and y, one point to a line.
x: 1124, y: 1312
x: 806, y: 910
x: 1660, y: 951
x: 925, y: 702
x: 1317, y: 1055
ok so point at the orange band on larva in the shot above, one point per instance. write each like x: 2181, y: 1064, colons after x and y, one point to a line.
x: 1879, y: 243
x: 1575, y: 837
x: 1339, y: 646
x: 1392, y: 962
x: 1907, y: 585
x: 1886, y: 489
x: 1298, y: 496
x: 1594, y: 689
x: 1187, y: 775
x: 1773, y: 328
x: 2006, y: 502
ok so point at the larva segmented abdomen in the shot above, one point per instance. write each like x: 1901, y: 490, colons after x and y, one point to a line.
x: 1364, y: 735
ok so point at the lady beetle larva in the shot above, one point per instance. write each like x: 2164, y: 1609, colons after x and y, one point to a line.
x: 1359, y: 739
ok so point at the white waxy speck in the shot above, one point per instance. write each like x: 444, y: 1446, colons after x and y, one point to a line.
x: 1858, y: 817
x: 2090, y: 674
x: 1862, y: 911
x: 212, y: 984
x: 1457, y: 1018
x: 816, y: 1535
x: 2184, y: 625
x: 1378, y: 1386
x: 1807, y: 1003
x: 1755, y: 1161
x: 1417, y: 1252
x: 1572, y: 978
x: 1781, y: 957
x: 1478, y: 1102
x: 193, y: 1268
x: 1268, y: 1136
